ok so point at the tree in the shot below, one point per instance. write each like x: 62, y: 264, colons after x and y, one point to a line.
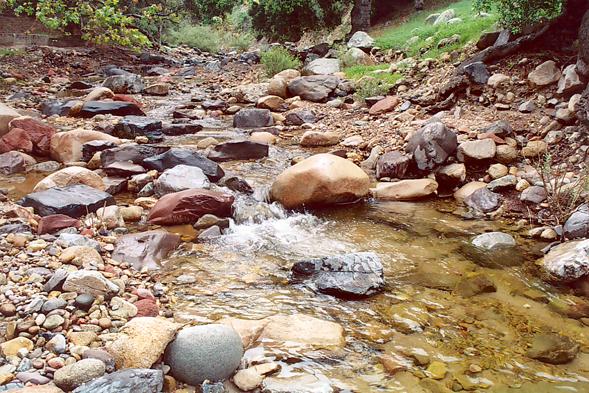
x: 520, y: 14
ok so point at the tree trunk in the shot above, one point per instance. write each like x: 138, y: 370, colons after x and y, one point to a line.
x: 361, y: 15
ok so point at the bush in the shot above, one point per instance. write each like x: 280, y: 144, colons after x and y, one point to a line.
x: 203, y: 37
x: 519, y: 14
x: 278, y: 59
x: 239, y: 41
x: 371, y: 87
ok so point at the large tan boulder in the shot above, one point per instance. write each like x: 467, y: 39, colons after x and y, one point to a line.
x: 319, y: 180
x: 6, y: 115
x: 142, y: 341
x: 405, y: 190
x: 67, y: 146
x: 69, y: 176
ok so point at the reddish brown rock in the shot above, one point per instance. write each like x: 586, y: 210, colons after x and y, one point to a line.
x: 38, y: 132
x: 147, y: 308
x: 387, y: 104
x: 186, y: 207
x: 126, y: 98
x: 56, y: 222
x: 16, y: 139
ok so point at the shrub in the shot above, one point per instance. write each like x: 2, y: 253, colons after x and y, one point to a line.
x: 206, y: 10
x: 371, y: 87
x: 203, y: 37
x: 278, y: 59
x: 239, y: 41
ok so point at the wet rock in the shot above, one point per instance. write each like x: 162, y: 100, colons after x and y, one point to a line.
x: 387, y: 104
x: 302, y: 329
x: 322, y: 66
x: 70, y: 176
x: 130, y: 127
x: 483, y: 149
x: 180, y: 178
x: 475, y: 284
x: 145, y: 250
x: 186, y: 207
x: 12, y: 347
x: 253, y: 118
x: 346, y: 276
x: 319, y: 180
x: 124, y: 84
x: 361, y: 40
x: 126, y: 381
x: 567, y: 262
x: 477, y: 72
x: 115, y: 108
x: 545, y: 74
x: 393, y: 165
x: 90, y: 282
x: 13, y: 162
x: 315, y: 88
x: 179, y: 156
x: 6, y: 115
x: 73, y: 201
x: 483, y: 200
x: 181, y: 128
x: 494, y: 250
x: 317, y: 138
x: 206, y: 352
x: 236, y: 184
x: 132, y: 153
x: 404, y: 190
x: 70, y: 377
x: 577, y: 225
x: 431, y: 145
x: 553, y: 349
x: 67, y: 146
x: 240, y: 150
x: 300, y: 117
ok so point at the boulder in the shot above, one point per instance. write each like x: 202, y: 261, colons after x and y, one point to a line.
x: 71, y: 376
x: 89, y: 149
x: 130, y: 127
x: 180, y: 178
x: 534, y: 195
x: 553, y: 349
x: 345, y: 276
x: 115, y: 108
x: 319, y: 180
x: 316, y: 138
x: 67, y: 146
x: 74, y: 201
x: 569, y: 82
x: 577, y: 225
x: 126, y: 381
x: 483, y: 200
x: 387, y: 104
x: 493, y: 250
x: 7, y: 114
x: 157, y: 89
x: 483, y: 149
x: 393, y: 165
x: 124, y: 84
x: 145, y: 250
x: 179, y: 156
x: 272, y: 103
x: 361, y: 40
x: 477, y: 72
x: 91, y: 282
x: 69, y: 176
x: 355, y: 56
x: 322, y: 66
x: 37, y: 132
x: 15, y: 162
x: 186, y: 207
x: 132, y: 153
x: 315, y: 88
x: 445, y: 17
x: 278, y: 87
x: 567, y: 262
x: 300, y: 117
x: 467, y: 189
x: 405, y: 190
x: 206, y: 352
x: 238, y: 150
x: 545, y: 74
x: 99, y: 93
x: 16, y: 140
x: 141, y: 342
x: 431, y: 145
x: 450, y: 176
x: 253, y: 118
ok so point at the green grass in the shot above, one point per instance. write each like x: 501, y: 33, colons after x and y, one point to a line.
x: 9, y: 52
x: 357, y: 72
x: 278, y: 59
x: 208, y: 38
x: 470, y: 29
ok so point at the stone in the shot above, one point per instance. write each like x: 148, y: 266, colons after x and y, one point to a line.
x: 567, y: 262
x: 81, y: 256
x: 69, y: 176
x: 157, y: 89
x: 90, y: 150
x: 141, y: 342
x: 66, y: 240
x: 147, y: 308
x: 37, y: 132
x: 122, y: 309
x: 497, y: 80
x: 503, y: 183
x: 553, y: 348
x: 7, y: 114
x: 534, y: 149
x: 253, y: 118
x: 493, y: 250
x: 174, y: 129
x: 53, y: 321
x: 346, y: 276
x: 99, y: 93
x: 387, y: 104
x: 278, y: 87
x: 361, y: 40
x: 248, y: 379
x: 492, y: 240
x: 145, y: 250
x: 16, y: 140
x: 527, y: 107
x: 263, y: 137
x: 316, y: 138
x: 132, y: 153
x: 90, y: 282
x: 570, y: 82
x: 13, y: 162
x: 70, y: 377
x: 206, y: 352
x: 497, y: 170
x: 179, y: 156
x: 301, y: 383
x: 56, y: 281
x: 272, y: 103
x: 180, y: 178
x: 125, y: 381
x: 73, y: 201
x: 114, y: 108
x: 84, y: 301
x: 316, y: 88
x: 319, y: 180
x: 186, y: 207
x: 478, y: 150
x: 431, y: 145
x: 322, y: 66
x: 238, y: 150
x: 483, y: 200
x: 67, y: 146
x: 49, y: 388
x: 477, y: 72
x: 445, y: 17
x: 506, y: 154
x: 14, y: 346
x: 534, y: 195
x: 405, y: 190
x: 577, y: 224
x: 130, y: 127
x: 124, y: 84
x: 545, y: 74
x: 301, y: 329
x: 300, y: 117
x: 355, y: 56
x: 131, y: 213
x: 393, y: 165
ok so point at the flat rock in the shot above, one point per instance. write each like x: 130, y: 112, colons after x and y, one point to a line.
x: 130, y: 127
x: 180, y: 178
x: 115, y: 108
x: 91, y: 282
x: 405, y: 190
x: 145, y: 250
x: 70, y: 176
x: 483, y: 149
x: 179, y: 156
x: 239, y: 150
x: 125, y: 381
x: 253, y: 118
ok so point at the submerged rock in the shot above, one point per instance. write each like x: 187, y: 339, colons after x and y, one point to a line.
x: 494, y: 250
x: 180, y: 178
x: 346, y: 276
x: 553, y: 349
x: 145, y: 250
x: 115, y: 108
x: 130, y: 127
x: 133, y: 380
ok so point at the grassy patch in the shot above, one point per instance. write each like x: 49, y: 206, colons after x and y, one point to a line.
x: 208, y: 38
x: 278, y: 59
x: 359, y: 71
x: 470, y: 29
x: 9, y: 52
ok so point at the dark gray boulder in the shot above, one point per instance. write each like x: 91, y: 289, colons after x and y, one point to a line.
x: 74, y: 201
x: 179, y: 156
x: 345, y: 276
x: 300, y: 117
x: 477, y: 72
x: 130, y: 127
x: 173, y: 129
x: 483, y: 200
x: 115, y: 108
x: 125, y: 83
x: 577, y: 225
x: 126, y: 381
x: 253, y: 118
x: 240, y: 150
x: 93, y: 147
x: 432, y: 145
x: 133, y: 153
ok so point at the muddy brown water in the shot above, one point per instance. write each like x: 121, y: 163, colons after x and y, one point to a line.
x: 245, y: 274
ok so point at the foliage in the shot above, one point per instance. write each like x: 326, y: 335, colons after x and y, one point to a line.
x: 359, y: 71
x: 519, y: 14
x: 400, y: 37
x: 203, y: 37
x: 371, y: 87
x: 288, y: 19
x: 205, y: 11
x: 9, y: 52
x: 278, y: 59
